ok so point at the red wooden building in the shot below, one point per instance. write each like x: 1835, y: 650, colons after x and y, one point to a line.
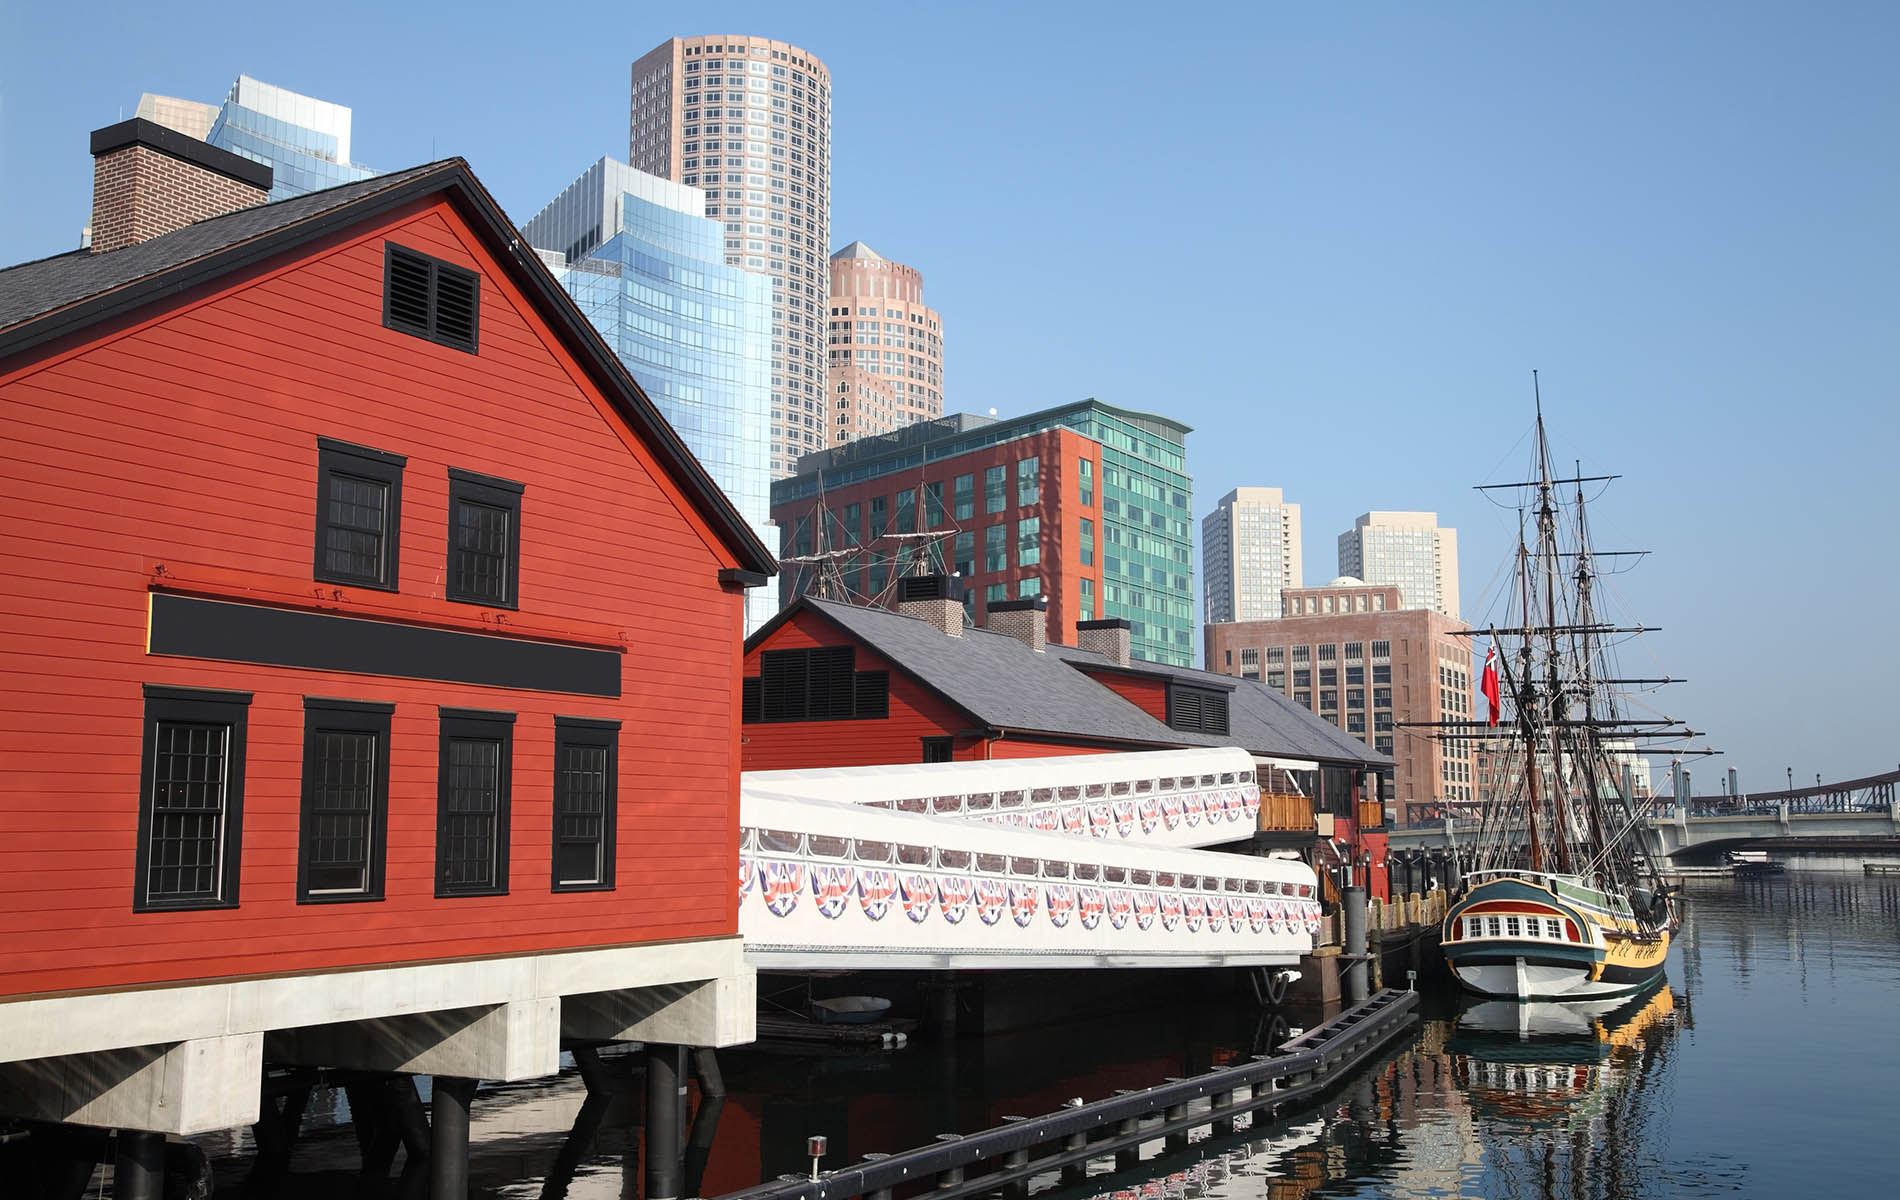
x: 371, y: 651
x: 829, y: 684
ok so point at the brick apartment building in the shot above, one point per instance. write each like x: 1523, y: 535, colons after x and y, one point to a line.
x: 1087, y: 505
x: 1347, y: 652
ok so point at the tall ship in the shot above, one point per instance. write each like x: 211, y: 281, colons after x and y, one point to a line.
x: 1558, y: 898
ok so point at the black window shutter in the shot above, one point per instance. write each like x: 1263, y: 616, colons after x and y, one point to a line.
x: 408, y: 292
x: 873, y: 697
x: 1214, y: 713
x: 749, y: 699
x: 457, y: 295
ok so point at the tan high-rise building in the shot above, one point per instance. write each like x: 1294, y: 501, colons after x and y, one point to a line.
x: 1348, y: 652
x: 1250, y: 553
x: 885, y: 346
x: 1408, y: 550
x: 747, y: 120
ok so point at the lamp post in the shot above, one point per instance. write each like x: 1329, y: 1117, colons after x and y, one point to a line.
x: 1791, y: 779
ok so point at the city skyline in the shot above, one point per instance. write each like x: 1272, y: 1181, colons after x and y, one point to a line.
x: 1687, y: 230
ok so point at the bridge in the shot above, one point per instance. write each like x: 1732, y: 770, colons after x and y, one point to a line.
x: 1079, y: 861
x: 1854, y: 813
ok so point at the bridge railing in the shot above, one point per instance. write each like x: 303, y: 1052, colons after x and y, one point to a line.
x: 1871, y: 793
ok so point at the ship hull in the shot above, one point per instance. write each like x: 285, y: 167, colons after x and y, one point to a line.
x: 1528, y: 937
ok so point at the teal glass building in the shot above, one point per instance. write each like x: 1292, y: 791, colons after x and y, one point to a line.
x: 649, y: 270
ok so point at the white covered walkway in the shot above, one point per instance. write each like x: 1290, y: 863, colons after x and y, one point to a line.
x: 1076, y: 861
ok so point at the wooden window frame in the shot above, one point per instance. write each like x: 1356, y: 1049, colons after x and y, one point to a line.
x: 321, y: 715
x: 590, y: 733
x: 457, y: 724
x: 437, y: 268
x: 198, y: 706
x: 488, y: 491
x: 376, y: 466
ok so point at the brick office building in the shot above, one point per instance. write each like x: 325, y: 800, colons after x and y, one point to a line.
x: 346, y: 572
x: 1087, y: 505
x: 1347, y: 652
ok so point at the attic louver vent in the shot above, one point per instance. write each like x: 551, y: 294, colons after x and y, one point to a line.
x: 430, y: 298
x: 1198, y: 710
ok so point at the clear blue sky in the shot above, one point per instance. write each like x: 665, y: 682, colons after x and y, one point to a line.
x: 1334, y: 238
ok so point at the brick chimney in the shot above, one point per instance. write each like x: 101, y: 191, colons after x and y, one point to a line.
x: 1109, y: 638
x: 1025, y: 620
x: 937, y: 599
x: 148, y: 180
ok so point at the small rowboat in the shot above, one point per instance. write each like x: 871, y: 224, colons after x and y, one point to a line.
x: 849, y: 1010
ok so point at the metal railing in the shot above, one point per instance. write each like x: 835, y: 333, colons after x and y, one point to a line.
x: 1008, y: 1155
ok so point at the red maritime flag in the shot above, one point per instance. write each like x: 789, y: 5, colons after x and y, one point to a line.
x: 1488, y: 682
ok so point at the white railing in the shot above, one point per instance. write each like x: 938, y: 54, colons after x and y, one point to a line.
x: 822, y: 883
x: 1168, y: 797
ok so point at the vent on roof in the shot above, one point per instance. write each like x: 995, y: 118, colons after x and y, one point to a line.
x: 430, y: 298
x: 1197, y: 710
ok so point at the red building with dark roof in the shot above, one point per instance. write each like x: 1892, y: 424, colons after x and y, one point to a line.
x: 371, y: 648
x: 829, y: 684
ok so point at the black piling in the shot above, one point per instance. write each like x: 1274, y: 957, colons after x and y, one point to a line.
x: 448, y: 1138
x: 666, y: 1102
x: 138, y: 1168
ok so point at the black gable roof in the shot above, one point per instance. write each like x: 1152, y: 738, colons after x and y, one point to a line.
x: 1258, y: 717
x: 52, y: 297
x: 996, y: 679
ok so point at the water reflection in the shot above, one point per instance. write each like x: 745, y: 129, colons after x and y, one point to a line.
x: 1779, y: 1086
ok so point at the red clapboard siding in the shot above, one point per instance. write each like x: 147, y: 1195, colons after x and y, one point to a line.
x: 1013, y: 748
x: 915, y: 714
x: 1149, y: 695
x: 188, y: 436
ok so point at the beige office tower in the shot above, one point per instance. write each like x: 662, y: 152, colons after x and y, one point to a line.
x: 747, y: 120
x: 1250, y: 552
x: 886, y: 347
x: 188, y: 117
x: 1407, y: 550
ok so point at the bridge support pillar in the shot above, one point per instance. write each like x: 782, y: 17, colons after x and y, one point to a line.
x: 448, y: 1137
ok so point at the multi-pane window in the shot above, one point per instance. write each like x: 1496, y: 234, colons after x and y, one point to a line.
x: 1355, y: 675
x: 472, y: 791
x: 880, y: 516
x: 853, y: 523
x: 1355, y: 697
x: 1382, y: 649
x: 359, y: 511
x: 933, y: 504
x: 1028, y: 541
x: 1028, y: 588
x: 907, y: 511
x: 995, y: 500
x: 996, y: 591
x: 1028, y: 480
x: 1302, y: 654
x: 1086, y: 592
x: 191, y: 789
x: 1382, y: 674
x: 963, y: 496
x: 1302, y: 677
x: 1329, y: 676
x: 484, y: 539
x: 1276, y: 679
x: 341, y: 838
x: 1355, y: 651
x: 1328, y: 653
x: 996, y: 548
x: 1250, y: 656
x: 1276, y: 654
x: 1382, y: 697
x: 966, y: 553
x: 584, y: 783
x: 1328, y: 699
x: 1085, y: 481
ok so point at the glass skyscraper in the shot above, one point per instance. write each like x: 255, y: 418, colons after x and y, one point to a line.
x: 649, y: 270
x: 304, y: 141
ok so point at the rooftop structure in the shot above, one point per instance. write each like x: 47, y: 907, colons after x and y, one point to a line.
x: 1409, y: 550
x: 885, y: 346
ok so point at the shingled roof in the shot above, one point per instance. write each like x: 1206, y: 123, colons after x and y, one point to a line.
x: 998, y: 680
x: 1004, y: 684
x: 1258, y: 717
x: 49, y: 298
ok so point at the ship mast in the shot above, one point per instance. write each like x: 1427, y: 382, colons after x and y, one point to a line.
x: 1553, y: 699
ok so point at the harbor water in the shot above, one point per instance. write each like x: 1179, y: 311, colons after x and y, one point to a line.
x: 1764, y: 1066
